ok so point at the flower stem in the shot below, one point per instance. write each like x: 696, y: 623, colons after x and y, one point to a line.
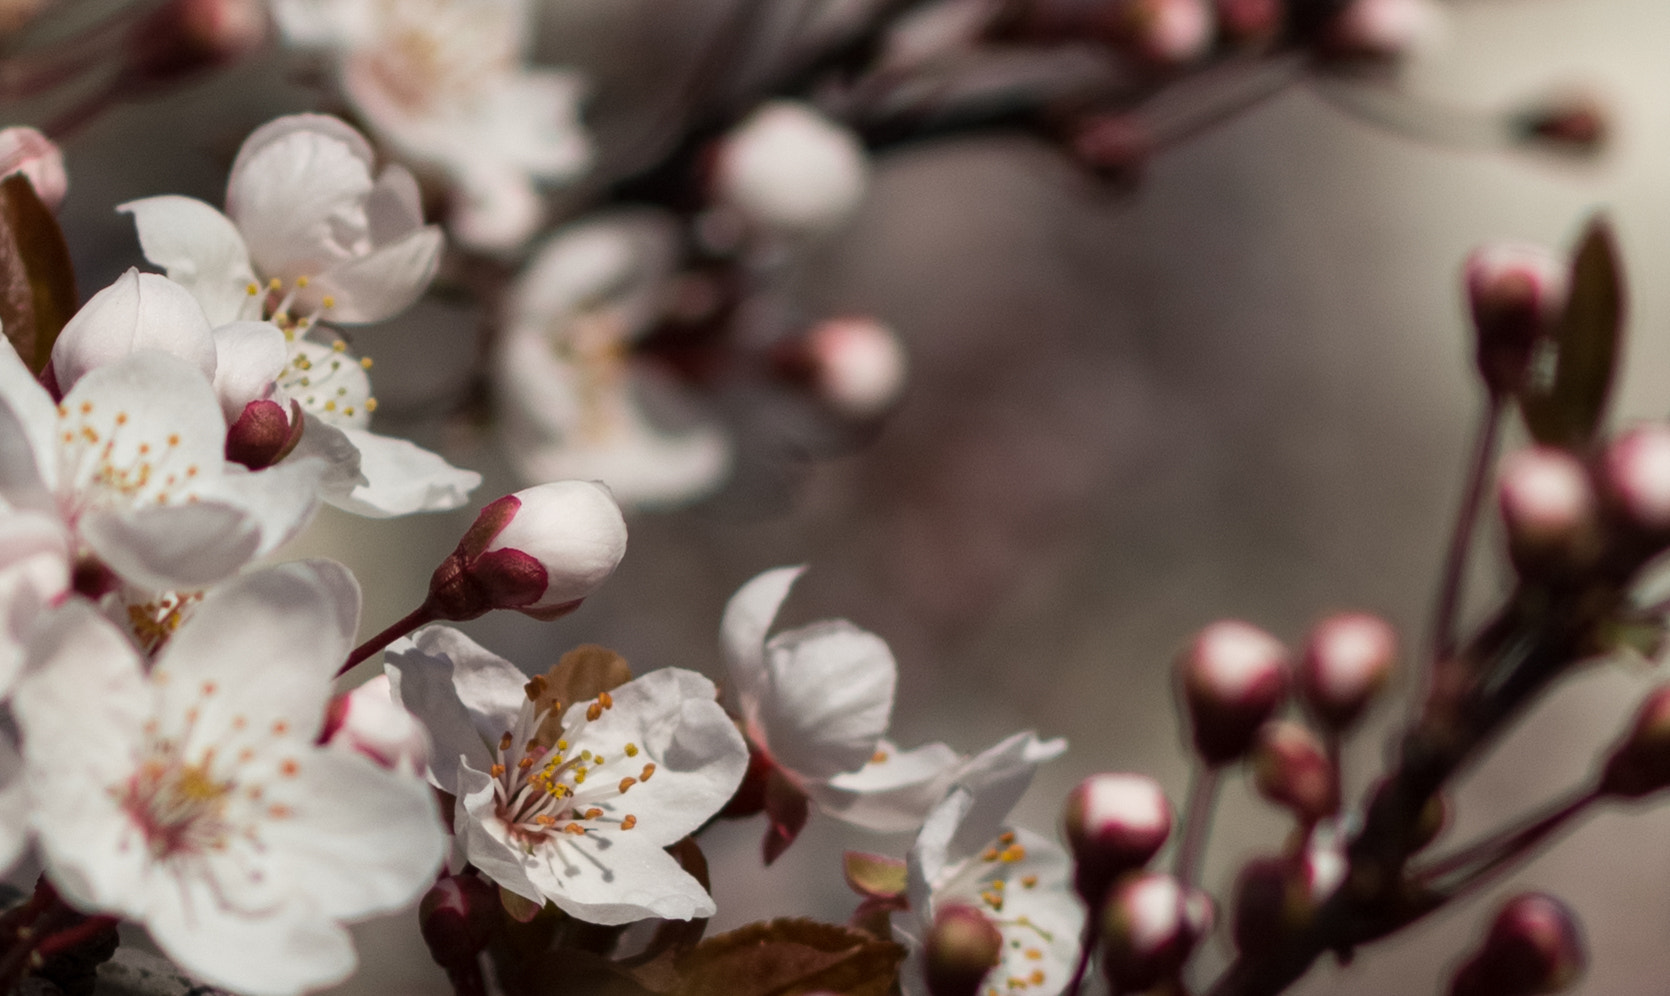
x: 1488, y: 855
x: 74, y: 936
x: 1087, y: 944
x: 1443, y: 640
x: 1197, y: 821
x: 417, y: 617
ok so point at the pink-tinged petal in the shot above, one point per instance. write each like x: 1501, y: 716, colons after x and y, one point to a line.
x: 28, y: 151
x: 401, y: 478
x: 28, y: 435
x: 291, y: 950
x: 933, y: 862
x: 483, y: 838
x: 200, y: 249
x: 14, y: 806
x: 892, y: 795
x: 383, y: 282
x: 619, y: 880
x: 828, y: 699
x: 495, y: 207
x: 139, y: 311
x: 700, y: 758
x: 323, y: 441
x: 297, y: 194
x: 395, y: 207
x: 78, y: 748
x: 361, y: 840
x: 279, y: 500
x: 743, y: 628
x: 173, y: 548
x: 34, y: 571
x: 257, y: 657
x: 467, y: 696
x: 249, y: 358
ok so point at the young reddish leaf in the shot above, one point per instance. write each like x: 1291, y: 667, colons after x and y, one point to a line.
x: 790, y: 956
x: 37, y: 280
x: 874, y: 876
x: 1565, y: 406
x: 787, y: 808
x: 583, y: 673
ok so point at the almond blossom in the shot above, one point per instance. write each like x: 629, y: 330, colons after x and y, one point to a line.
x: 445, y: 84
x: 572, y: 803
x: 574, y: 398
x: 196, y: 800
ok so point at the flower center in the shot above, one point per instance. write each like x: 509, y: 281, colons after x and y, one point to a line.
x: 431, y: 54
x: 181, y: 807
x: 544, y: 792
x: 109, y: 461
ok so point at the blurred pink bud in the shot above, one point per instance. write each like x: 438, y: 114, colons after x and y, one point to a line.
x: 1292, y: 769
x: 1150, y: 925
x: 1348, y: 659
x: 1516, y: 293
x: 27, y: 151
x: 1114, y: 824
x: 1635, y: 479
x: 1234, y: 677
x: 1383, y: 29
x: 857, y: 365
x: 1574, y: 122
x: 1533, y: 948
x: 962, y: 948
x: 1168, y: 32
x: 1640, y: 765
x: 264, y: 434
x: 789, y: 168
x: 540, y: 551
x: 457, y: 918
x: 183, y: 37
x: 1549, y: 511
x: 1118, y: 146
x: 368, y: 721
x: 1250, y: 20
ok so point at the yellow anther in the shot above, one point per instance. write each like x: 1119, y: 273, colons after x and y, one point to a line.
x: 301, y: 283
x: 649, y: 769
x: 545, y: 820
x: 505, y: 742
x: 585, y: 755
x: 631, y: 750
x: 593, y: 813
x: 370, y: 404
x: 365, y: 362
x: 629, y: 822
x: 626, y: 783
x: 329, y: 302
x: 1037, y: 977
x: 339, y: 346
x: 989, y: 854
x: 606, y: 700
x: 575, y: 829
x: 1033, y: 954
x: 275, y: 284
x: 579, y: 776
x: 1006, y: 838
x: 562, y: 745
x: 1030, y: 882
x: 1013, y: 853
x: 496, y: 770
x: 593, y: 711
x: 253, y: 289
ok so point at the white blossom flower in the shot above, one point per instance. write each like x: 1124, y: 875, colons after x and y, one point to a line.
x: 196, y: 800
x: 967, y: 855
x: 367, y: 721
x: 788, y: 168
x: 131, y: 464
x: 577, y: 812
x: 445, y: 84
x: 27, y: 151
x: 572, y: 393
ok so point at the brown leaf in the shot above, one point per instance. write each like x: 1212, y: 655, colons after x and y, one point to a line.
x: 572, y: 972
x: 1566, y: 409
x: 583, y: 673
x: 37, y: 280
x: 787, y: 957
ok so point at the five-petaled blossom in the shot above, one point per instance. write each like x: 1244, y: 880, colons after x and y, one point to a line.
x: 966, y: 855
x: 573, y: 803
x: 195, y: 799
x: 445, y: 84
x: 309, y: 237
x: 573, y: 394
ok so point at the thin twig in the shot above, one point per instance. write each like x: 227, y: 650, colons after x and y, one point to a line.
x: 1197, y: 823
x: 1450, y: 590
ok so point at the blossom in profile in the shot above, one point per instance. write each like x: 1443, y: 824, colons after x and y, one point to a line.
x: 574, y: 397
x: 197, y: 801
x: 445, y: 84
x: 572, y: 802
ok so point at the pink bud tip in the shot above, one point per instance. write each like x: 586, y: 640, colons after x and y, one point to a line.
x: 1549, y: 510
x: 1291, y: 769
x: 27, y: 151
x: 186, y: 36
x: 263, y: 435
x: 1115, y: 823
x: 1383, y: 29
x: 1150, y: 925
x: 1234, y: 677
x: 1533, y: 948
x: 858, y: 365
x: 1169, y: 32
x: 1635, y: 477
x: 1348, y: 660
x: 1515, y: 292
x: 368, y: 722
x: 962, y: 948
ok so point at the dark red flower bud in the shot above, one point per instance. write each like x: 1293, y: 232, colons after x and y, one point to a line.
x: 457, y: 918
x: 1635, y: 481
x: 1640, y: 765
x: 1114, y: 824
x: 1150, y: 925
x: 183, y: 37
x: 962, y: 948
x: 1292, y: 769
x: 1515, y: 293
x: 1251, y: 20
x: 1533, y: 948
x: 1234, y: 677
x: 1348, y: 660
x: 264, y: 434
x: 1550, y: 512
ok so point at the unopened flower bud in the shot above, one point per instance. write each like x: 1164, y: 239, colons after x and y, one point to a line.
x: 367, y: 721
x: 1515, y: 293
x: 963, y: 946
x: 1150, y: 925
x: 183, y: 37
x: 1635, y: 481
x: 855, y: 365
x: 1167, y: 32
x: 1549, y: 511
x: 789, y: 168
x: 1383, y: 30
x: 1234, y: 677
x: 27, y: 151
x: 1250, y: 20
x: 1116, y: 146
x: 540, y: 551
x: 457, y: 918
x: 1533, y: 948
x: 1291, y: 769
x: 1115, y: 824
x: 1640, y: 765
x: 264, y: 434
x: 1348, y: 660
x: 1576, y: 123
x: 1273, y: 899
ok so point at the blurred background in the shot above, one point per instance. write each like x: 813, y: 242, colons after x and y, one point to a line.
x: 1242, y: 388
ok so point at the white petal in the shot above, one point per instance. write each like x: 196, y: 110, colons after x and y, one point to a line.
x: 893, y: 795
x: 623, y: 257
x: 280, y: 500
x: 743, y: 628
x: 200, y: 249
x: 483, y: 837
x: 269, y: 643
x: 402, y: 478
x: 291, y: 951
x: 181, y: 547
x: 496, y: 208
x: 326, y: 442
x: 385, y: 281
x: 34, y: 572
x: 1041, y: 918
x: 138, y: 311
x: 360, y: 840
x: 932, y: 862
x: 829, y: 698
x: 28, y: 435
x: 395, y: 206
x: 537, y: 114
x: 466, y: 696
x: 250, y: 356
x: 998, y: 777
x: 615, y: 880
x: 297, y: 193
